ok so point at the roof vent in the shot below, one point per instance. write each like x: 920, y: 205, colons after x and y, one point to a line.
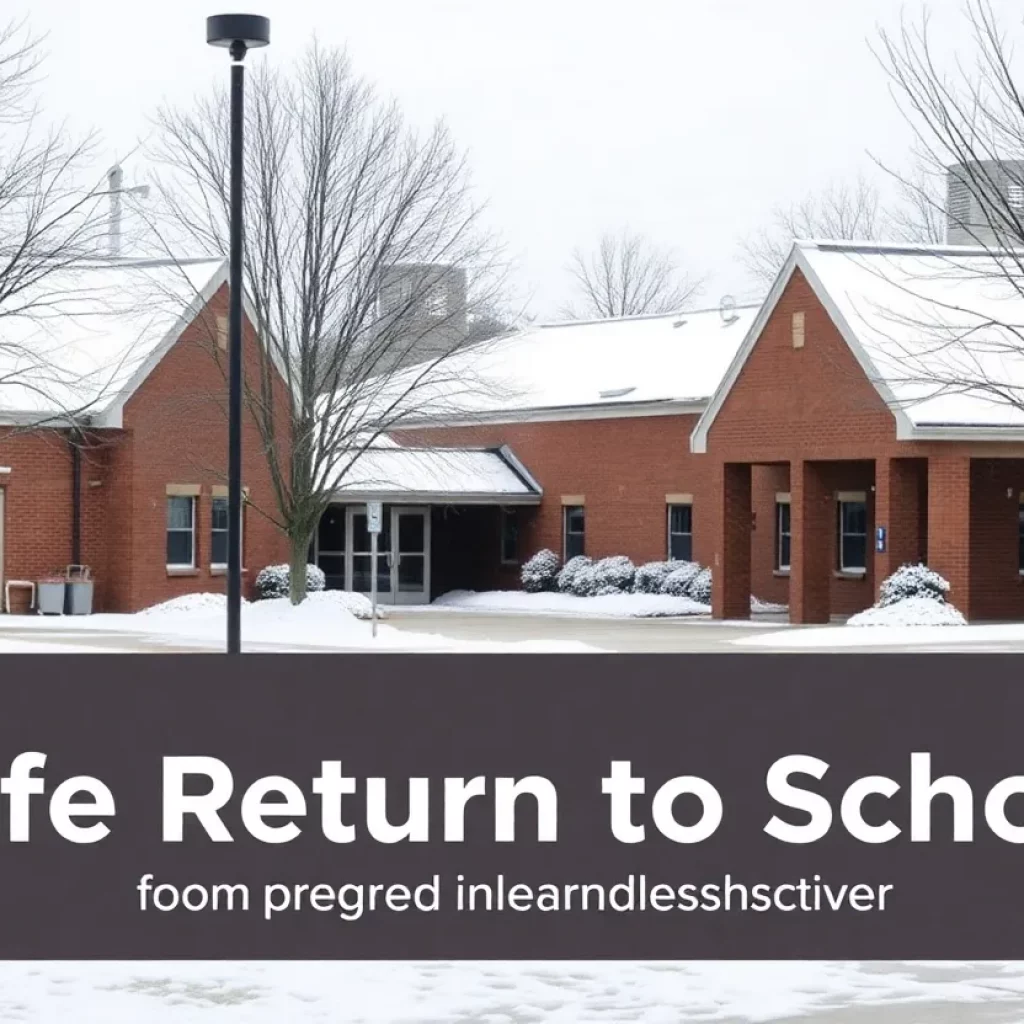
x: 616, y: 392
x: 679, y: 323
x: 727, y: 309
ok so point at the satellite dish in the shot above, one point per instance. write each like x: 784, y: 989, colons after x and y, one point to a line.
x: 727, y: 308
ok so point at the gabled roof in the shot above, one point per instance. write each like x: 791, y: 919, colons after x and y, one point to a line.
x: 81, y: 341
x: 938, y: 330
x: 646, y: 365
x: 389, y: 472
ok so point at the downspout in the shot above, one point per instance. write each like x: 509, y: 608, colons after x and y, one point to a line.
x: 74, y: 440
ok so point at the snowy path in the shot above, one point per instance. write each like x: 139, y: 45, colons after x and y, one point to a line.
x: 503, y: 993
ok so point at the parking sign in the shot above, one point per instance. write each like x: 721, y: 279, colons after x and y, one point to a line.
x: 374, y: 515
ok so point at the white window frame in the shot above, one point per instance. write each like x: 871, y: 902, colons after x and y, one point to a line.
x: 668, y: 526
x: 783, y: 501
x: 566, y: 509
x: 505, y: 514
x: 851, y: 498
x: 168, y: 529
x: 222, y: 566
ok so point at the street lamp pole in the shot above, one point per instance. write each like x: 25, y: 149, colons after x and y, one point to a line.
x: 238, y: 33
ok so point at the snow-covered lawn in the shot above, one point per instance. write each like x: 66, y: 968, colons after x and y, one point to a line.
x: 324, y: 620
x: 509, y: 993
x: 625, y: 606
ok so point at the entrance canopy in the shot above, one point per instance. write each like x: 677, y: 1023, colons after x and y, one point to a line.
x: 431, y: 476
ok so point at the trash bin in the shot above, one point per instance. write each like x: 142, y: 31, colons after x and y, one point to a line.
x: 50, y: 594
x: 79, y: 590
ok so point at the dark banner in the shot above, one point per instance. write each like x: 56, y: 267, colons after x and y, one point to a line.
x: 456, y: 807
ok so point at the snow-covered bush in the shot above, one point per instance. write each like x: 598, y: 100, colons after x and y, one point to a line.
x: 677, y: 583
x: 275, y: 580
x: 613, y: 575
x: 569, y: 577
x: 540, y: 573
x: 910, y: 611
x: 700, y: 587
x: 912, y: 581
x: 651, y: 575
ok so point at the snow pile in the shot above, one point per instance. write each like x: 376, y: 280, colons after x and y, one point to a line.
x: 759, y: 607
x: 913, y: 595
x: 616, y: 606
x: 358, y: 605
x: 911, y: 611
x: 188, y: 605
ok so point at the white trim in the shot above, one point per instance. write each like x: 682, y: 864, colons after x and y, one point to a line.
x: 852, y: 496
x: 798, y: 260
x: 783, y: 498
x: 433, y: 498
x: 561, y: 413
x: 523, y: 473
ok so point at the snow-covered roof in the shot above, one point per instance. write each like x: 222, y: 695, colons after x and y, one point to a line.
x: 389, y: 472
x: 602, y: 367
x: 938, y: 330
x: 81, y: 340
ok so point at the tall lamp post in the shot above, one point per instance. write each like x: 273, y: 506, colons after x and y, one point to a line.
x: 238, y: 33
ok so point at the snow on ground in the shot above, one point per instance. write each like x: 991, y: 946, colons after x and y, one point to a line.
x: 8, y: 646
x: 324, y: 620
x: 1009, y: 635
x: 911, y: 611
x: 624, y: 606
x: 509, y: 993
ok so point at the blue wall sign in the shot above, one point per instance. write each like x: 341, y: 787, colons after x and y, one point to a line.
x: 880, y: 538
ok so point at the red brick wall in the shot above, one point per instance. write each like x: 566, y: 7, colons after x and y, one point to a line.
x: 178, y: 425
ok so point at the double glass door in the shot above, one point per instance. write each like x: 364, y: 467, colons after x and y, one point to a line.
x: 403, y: 553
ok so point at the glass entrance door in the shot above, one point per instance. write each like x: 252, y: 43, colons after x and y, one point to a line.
x: 410, y: 560
x: 360, y: 555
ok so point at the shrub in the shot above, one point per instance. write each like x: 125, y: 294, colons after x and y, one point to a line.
x: 540, y: 572
x: 912, y: 581
x: 275, y: 581
x: 651, y: 575
x: 613, y: 575
x: 679, y: 580
x: 577, y: 577
x: 700, y: 587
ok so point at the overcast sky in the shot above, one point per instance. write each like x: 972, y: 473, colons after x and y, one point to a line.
x: 687, y: 120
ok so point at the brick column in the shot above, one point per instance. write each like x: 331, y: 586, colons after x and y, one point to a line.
x: 730, y: 592
x: 813, y: 526
x: 949, y: 525
x: 898, y: 509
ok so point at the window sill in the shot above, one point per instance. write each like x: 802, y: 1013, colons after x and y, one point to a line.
x: 850, y: 574
x: 781, y: 573
x: 181, y: 570
x: 222, y: 570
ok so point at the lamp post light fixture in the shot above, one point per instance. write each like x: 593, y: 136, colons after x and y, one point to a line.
x: 238, y: 33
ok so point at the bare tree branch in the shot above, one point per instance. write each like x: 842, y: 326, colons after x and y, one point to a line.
x: 627, y: 276
x: 365, y: 264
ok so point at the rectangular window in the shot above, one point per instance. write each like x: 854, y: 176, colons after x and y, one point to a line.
x: 509, y: 536
x: 219, y: 533
x: 853, y: 536
x: 181, y: 532
x: 782, y: 535
x: 680, y: 533
x: 574, y: 527
x: 1020, y: 538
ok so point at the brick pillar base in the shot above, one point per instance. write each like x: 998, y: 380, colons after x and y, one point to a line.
x: 730, y: 592
x: 898, y: 508
x: 813, y: 525
x: 949, y: 525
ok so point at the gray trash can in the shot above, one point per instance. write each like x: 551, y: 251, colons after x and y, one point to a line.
x: 50, y: 596
x: 79, y: 590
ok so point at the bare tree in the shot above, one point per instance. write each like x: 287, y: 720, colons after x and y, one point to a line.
x: 840, y: 211
x: 51, y: 225
x: 364, y: 260
x: 968, y: 121
x: 627, y: 276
